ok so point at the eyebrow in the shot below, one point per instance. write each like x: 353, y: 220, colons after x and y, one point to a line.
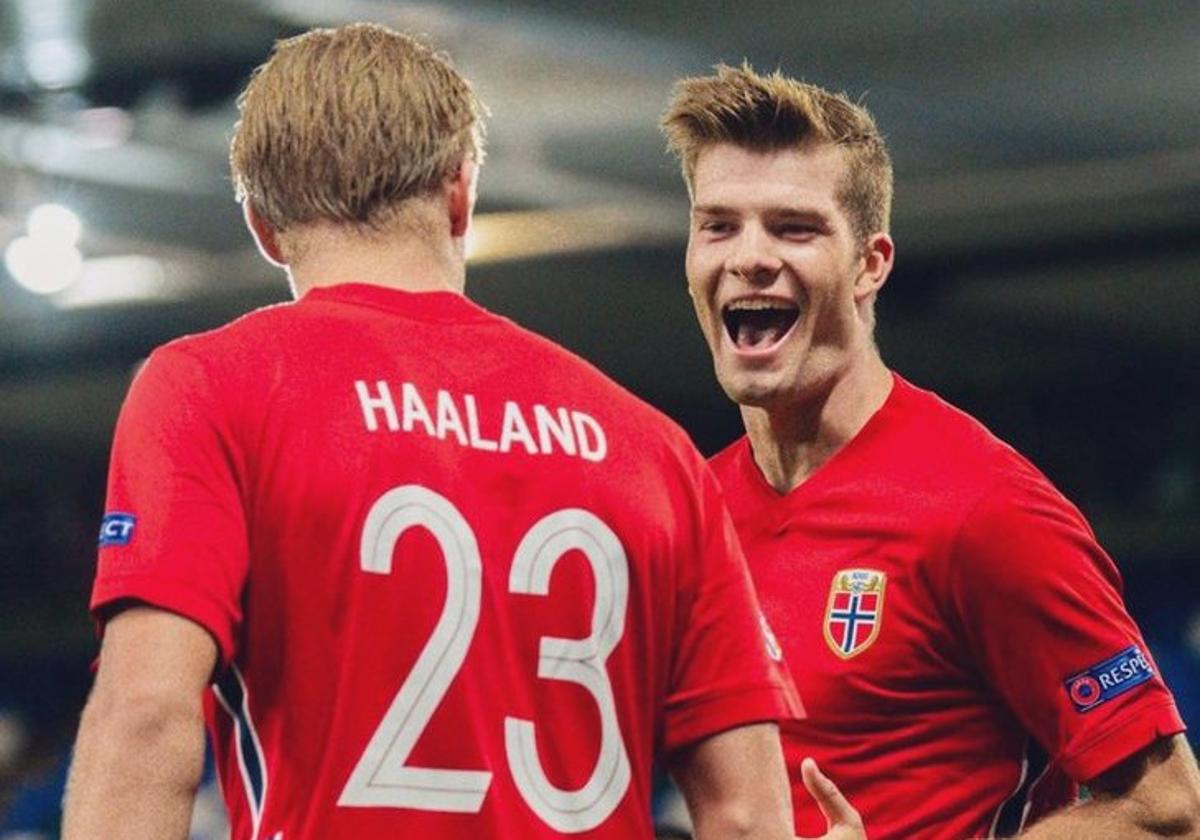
x: 777, y: 210
x: 712, y: 210
x: 773, y: 212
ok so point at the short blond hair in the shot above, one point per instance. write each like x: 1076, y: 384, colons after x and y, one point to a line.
x: 768, y: 113
x: 345, y: 125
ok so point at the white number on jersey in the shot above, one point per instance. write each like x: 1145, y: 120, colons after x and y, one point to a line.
x: 381, y: 778
x: 579, y: 661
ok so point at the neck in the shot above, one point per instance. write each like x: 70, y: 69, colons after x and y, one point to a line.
x: 408, y: 258
x: 792, y: 442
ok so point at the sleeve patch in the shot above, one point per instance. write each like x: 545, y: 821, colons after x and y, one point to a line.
x: 117, y: 529
x: 1108, y: 679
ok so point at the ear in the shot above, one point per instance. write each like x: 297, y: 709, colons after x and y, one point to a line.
x: 460, y: 197
x: 265, y: 236
x: 879, y: 254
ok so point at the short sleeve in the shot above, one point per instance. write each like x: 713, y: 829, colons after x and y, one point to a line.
x: 174, y: 530
x: 727, y: 669
x: 1039, y: 603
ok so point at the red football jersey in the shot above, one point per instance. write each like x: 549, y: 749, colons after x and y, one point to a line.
x: 956, y: 632
x: 462, y: 584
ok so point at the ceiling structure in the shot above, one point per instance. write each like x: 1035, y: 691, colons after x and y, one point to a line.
x: 1047, y: 212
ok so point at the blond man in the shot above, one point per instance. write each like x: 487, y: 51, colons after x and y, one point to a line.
x: 425, y: 574
x: 956, y: 633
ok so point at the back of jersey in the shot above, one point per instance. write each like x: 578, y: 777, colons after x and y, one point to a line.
x: 462, y: 584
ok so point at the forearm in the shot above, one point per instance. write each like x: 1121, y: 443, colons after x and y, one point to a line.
x: 1153, y: 794
x: 736, y: 785
x: 135, y: 771
x: 1112, y: 820
x: 739, y: 821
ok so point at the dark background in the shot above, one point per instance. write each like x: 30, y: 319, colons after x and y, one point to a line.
x: 1047, y: 220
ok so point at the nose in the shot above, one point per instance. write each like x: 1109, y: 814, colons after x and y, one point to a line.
x: 752, y: 256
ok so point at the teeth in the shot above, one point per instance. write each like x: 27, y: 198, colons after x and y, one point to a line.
x: 756, y: 305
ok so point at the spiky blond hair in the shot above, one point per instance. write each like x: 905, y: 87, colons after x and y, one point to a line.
x: 767, y: 113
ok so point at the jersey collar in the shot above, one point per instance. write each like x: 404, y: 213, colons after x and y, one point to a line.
x: 437, y: 307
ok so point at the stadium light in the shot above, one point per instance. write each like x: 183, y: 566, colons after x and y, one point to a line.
x: 57, y: 63
x: 43, y: 267
x: 47, y: 260
x: 53, y: 223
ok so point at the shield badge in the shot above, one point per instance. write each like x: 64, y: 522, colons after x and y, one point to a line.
x: 855, y: 611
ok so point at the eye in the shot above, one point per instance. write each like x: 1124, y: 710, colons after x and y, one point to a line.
x: 716, y: 226
x: 796, y: 230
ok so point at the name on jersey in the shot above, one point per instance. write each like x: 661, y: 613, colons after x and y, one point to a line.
x: 460, y: 418
x: 1108, y: 679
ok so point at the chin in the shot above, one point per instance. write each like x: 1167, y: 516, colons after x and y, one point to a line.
x: 772, y: 390
x: 751, y: 391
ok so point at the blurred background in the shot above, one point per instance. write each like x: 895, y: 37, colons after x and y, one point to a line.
x: 1047, y: 220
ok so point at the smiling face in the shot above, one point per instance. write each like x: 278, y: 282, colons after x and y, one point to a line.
x: 782, y: 286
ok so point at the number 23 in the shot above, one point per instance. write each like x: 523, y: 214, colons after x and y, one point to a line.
x: 382, y: 778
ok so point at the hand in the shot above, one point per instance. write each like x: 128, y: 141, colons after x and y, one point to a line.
x: 842, y: 821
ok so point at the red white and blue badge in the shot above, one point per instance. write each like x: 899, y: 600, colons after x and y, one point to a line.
x: 1108, y: 679
x: 855, y: 611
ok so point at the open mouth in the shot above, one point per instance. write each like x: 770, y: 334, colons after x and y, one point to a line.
x: 758, y: 324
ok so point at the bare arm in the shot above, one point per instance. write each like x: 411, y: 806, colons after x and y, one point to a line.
x: 1156, y: 793
x: 735, y: 784
x: 140, y: 750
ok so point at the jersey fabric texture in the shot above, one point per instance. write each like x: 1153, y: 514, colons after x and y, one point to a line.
x: 462, y: 585
x: 942, y: 608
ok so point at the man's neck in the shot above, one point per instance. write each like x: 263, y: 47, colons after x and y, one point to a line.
x: 403, y: 259
x: 793, y: 442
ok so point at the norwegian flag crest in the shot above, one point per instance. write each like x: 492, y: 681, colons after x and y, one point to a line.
x: 855, y: 611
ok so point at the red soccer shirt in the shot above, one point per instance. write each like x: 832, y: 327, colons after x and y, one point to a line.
x: 462, y: 584
x: 957, y: 635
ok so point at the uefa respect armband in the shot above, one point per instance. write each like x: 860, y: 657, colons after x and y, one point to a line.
x: 1108, y: 679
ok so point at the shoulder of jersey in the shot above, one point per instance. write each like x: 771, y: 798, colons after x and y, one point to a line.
x: 245, y: 329
x: 724, y: 461
x: 565, y: 367
x: 963, y: 442
x: 966, y: 461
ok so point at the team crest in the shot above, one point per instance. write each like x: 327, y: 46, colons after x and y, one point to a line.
x: 855, y: 611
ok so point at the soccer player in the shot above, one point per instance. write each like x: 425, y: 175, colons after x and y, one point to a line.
x: 957, y: 635
x: 425, y: 573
